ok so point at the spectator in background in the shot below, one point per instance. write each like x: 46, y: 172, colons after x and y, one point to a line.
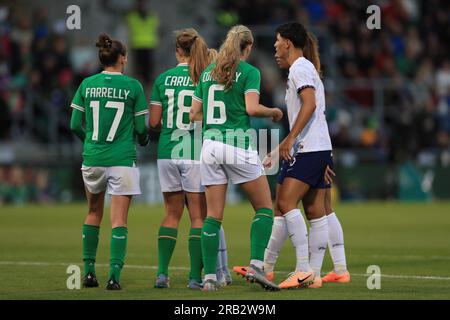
x: 3, y: 186
x: 19, y: 192
x: 43, y: 187
x: 143, y: 34
x: 20, y: 185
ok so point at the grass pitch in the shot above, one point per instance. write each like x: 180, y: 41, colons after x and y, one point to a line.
x: 409, y: 242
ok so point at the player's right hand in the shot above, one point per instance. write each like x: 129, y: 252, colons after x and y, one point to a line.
x: 270, y: 159
x: 329, y: 175
x: 277, y: 115
x: 285, y: 148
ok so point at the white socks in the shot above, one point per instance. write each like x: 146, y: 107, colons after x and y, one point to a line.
x: 222, y: 256
x: 336, y: 243
x: 298, y: 233
x: 277, y: 239
x: 257, y: 263
x: 318, y: 238
x: 210, y: 277
x: 322, y: 230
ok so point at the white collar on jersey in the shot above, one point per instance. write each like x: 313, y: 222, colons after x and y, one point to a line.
x: 111, y: 72
x: 296, y: 61
x: 182, y: 64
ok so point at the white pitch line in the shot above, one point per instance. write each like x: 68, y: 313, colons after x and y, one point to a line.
x: 131, y: 266
x: 403, y: 257
x: 399, y: 276
x: 48, y: 264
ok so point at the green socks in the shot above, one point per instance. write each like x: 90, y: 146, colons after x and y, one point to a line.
x: 210, y: 244
x: 90, y: 244
x: 119, y: 237
x: 167, y: 238
x: 195, y: 254
x: 260, y: 233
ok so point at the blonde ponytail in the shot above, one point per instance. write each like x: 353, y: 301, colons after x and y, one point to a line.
x: 212, y: 53
x: 238, y: 38
x: 194, y: 47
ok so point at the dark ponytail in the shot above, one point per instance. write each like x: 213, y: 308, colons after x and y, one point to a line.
x: 311, y: 51
x: 109, y: 50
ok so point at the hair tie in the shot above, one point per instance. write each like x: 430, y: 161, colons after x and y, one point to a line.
x: 108, y: 43
x: 238, y: 32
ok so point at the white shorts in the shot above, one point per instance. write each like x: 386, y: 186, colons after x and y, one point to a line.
x: 116, y: 180
x: 221, y: 162
x: 178, y: 175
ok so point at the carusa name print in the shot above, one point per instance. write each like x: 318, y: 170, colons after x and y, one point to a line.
x: 178, y: 81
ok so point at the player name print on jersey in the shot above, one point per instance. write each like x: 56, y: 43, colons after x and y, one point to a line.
x: 224, y: 109
x: 111, y: 102
x: 105, y: 92
x: 173, y: 91
x: 178, y: 81
x: 207, y: 77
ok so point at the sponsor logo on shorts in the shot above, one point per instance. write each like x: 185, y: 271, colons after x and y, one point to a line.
x: 210, y: 234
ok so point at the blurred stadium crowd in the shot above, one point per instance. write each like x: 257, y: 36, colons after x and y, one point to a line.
x: 20, y: 185
x: 387, y: 90
x: 409, y: 56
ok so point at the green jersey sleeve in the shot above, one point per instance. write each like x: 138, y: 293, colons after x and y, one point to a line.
x: 253, y: 81
x: 140, y: 104
x: 78, y: 99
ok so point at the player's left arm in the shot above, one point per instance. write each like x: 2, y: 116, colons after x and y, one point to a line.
x: 76, y: 124
x: 78, y: 109
x: 196, y: 112
x: 155, y: 118
x: 308, y: 98
x: 141, y: 130
x: 140, y: 110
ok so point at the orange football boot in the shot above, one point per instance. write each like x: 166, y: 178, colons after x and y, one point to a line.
x: 335, y: 277
x: 298, y: 279
x: 317, y: 283
x: 241, y: 271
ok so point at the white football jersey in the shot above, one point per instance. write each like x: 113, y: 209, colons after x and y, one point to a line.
x: 315, y: 135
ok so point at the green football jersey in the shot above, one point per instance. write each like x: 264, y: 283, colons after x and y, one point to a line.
x: 173, y: 91
x: 110, y: 101
x: 224, y: 114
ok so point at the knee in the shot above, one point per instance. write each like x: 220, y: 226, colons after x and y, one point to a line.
x: 285, y: 205
x: 315, y: 212
x: 276, y: 211
x: 95, y: 208
x: 95, y: 212
x: 94, y: 216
